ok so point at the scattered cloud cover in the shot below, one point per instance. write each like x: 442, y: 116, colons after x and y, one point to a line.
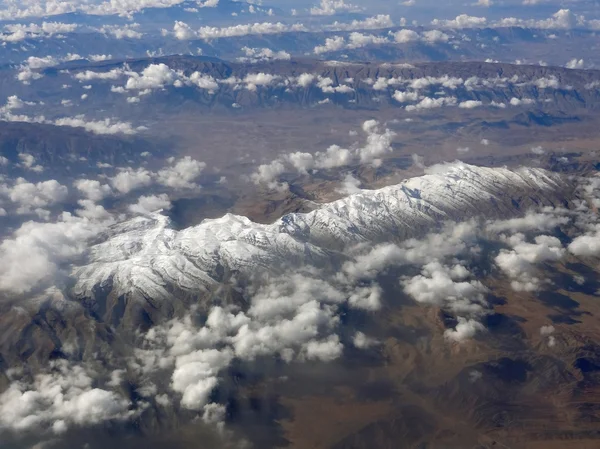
x: 292, y: 317
x: 378, y: 143
x: 68, y: 234
x: 331, y: 7
x: 18, y: 32
x: 183, y: 31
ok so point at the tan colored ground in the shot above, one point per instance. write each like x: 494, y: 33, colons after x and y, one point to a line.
x: 428, y: 406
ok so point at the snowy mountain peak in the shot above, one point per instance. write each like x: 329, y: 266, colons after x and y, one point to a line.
x: 147, y: 256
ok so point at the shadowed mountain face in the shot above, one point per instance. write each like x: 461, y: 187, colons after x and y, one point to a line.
x: 72, y: 150
x: 220, y: 86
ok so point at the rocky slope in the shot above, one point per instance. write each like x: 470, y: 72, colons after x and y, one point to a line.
x: 185, y: 84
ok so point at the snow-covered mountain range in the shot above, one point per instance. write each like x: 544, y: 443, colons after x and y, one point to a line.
x: 148, y: 256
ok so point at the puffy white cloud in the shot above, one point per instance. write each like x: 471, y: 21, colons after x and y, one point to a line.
x: 183, y: 31
x: 446, y: 81
x: 370, y: 23
x: 106, y: 126
x: 26, y: 75
x: 461, y: 21
x: 586, y: 245
x: 152, y: 77
x: 33, y: 62
x: 27, y: 161
x: 150, y: 203
x: 406, y: 36
x: 263, y: 54
x: 543, y: 221
x: 294, y: 337
x: 418, y: 161
x: 281, y: 297
x: 302, y: 162
x: 128, y: 31
x: 194, y: 382
x: 92, y: 189
x: 252, y: 80
x: 331, y: 44
x: 446, y: 286
x: 367, y: 298
x: 546, y: 330
x: 58, y: 399
x: 359, y: 40
x: 519, y: 262
x: 129, y: 179
x: 350, y: 185
x: 432, y: 103
x: 361, y: 341
x: 383, y: 83
x: 208, y: 3
x: 538, y: 150
x: 326, y: 85
x: 562, y: 19
x: 32, y: 256
x: 435, y: 36
x: 334, y: 156
x: 89, y: 75
x: 324, y: 350
x: 378, y: 143
x: 18, y: 32
x: 514, y: 101
x: 267, y: 173
x: 159, y: 76
x: 549, y: 82
x: 331, y: 7
x: 30, y: 70
x: 405, y: 97
x: 464, y: 330
x: 292, y: 317
x: 470, y: 104
x: 182, y: 174
x: 46, y: 27
x: 14, y: 102
x: 208, y: 33
x: 574, y: 64
x: 92, y: 211
x: 305, y: 79
x: 99, y: 57
x: 454, y: 240
x: 31, y: 196
x: 44, y: 8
